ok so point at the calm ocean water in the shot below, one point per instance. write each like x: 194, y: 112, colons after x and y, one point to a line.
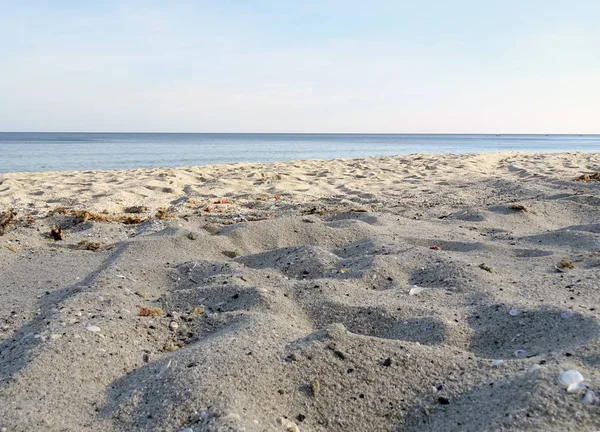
x: 96, y: 151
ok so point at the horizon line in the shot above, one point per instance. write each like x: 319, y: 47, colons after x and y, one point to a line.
x: 302, y: 133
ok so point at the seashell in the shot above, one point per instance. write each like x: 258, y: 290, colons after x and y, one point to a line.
x: 416, y: 290
x: 173, y: 325
x: 497, y: 363
x: 164, y: 369
x: 520, y: 353
x: 93, y: 328
x: 566, y: 314
x: 514, y: 312
x: 288, y: 425
x: 589, y: 398
x: 572, y: 380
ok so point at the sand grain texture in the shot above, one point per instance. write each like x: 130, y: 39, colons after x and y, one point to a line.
x: 290, y: 288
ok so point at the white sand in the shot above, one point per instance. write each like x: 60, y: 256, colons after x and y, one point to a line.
x: 295, y: 312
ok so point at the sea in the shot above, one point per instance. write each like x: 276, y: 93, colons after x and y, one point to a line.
x: 29, y: 151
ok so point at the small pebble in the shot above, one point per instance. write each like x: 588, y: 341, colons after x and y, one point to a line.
x: 566, y: 314
x: 443, y: 400
x: 514, y: 312
x: 340, y: 354
x: 173, y: 325
x: 192, y: 236
x: 487, y: 268
x: 387, y: 362
x: 186, y: 429
x: 212, y: 228
x: 93, y: 328
x: 520, y: 353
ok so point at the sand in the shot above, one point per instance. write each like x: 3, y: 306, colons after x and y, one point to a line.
x: 408, y: 293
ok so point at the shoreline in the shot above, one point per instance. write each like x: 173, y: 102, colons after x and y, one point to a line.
x: 339, y: 159
x: 419, y: 292
x: 416, y: 154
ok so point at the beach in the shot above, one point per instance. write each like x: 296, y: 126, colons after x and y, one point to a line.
x: 399, y: 293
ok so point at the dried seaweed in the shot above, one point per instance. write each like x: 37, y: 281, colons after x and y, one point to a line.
x: 132, y: 220
x: 7, y: 218
x: 518, y: 207
x: 135, y: 209
x: 56, y: 233
x: 151, y: 311
x: 60, y: 210
x: 193, y: 203
x: 487, y: 268
x: 565, y: 264
x: 162, y: 213
x: 88, y: 245
x: 258, y: 218
x: 80, y: 216
x: 198, y: 310
x: 588, y: 177
x: 314, y: 210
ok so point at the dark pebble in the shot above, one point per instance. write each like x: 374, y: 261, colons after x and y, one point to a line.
x: 443, y: 400
x: 300, y: 417
x: 387, y: 362
x: 340, y: 354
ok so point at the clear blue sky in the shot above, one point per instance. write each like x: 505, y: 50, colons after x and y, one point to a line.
x: 505, y: 66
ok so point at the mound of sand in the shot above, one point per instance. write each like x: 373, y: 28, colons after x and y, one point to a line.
x: 410, y: 293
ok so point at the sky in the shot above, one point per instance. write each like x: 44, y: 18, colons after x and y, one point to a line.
x: 461, y: 66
